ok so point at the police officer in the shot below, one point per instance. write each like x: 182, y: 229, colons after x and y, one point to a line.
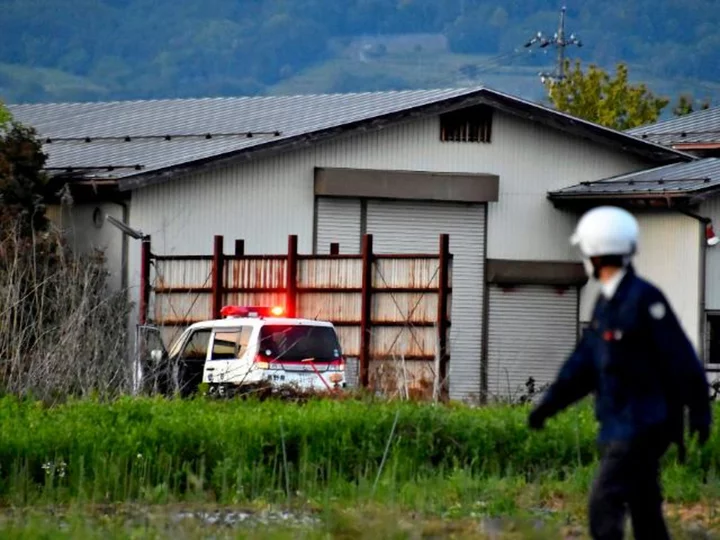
x: 644, y: 372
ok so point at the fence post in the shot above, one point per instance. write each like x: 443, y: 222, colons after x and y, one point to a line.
x: 334, y: 248
x: 291, y: 276
x: 442, y: 315
x: 239, y: 248
x: 217, y: 276
x: 145, y: 256
x: 366, y: 309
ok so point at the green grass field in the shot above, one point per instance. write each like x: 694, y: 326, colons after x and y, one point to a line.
x: 353, y: 468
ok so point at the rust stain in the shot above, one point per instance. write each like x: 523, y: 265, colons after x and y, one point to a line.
x: 235, y: 267
x: 349, y: 338
x: 257, y: 272
x: 406, y: 273
x: 330, y: 306
x: 330, y: 273
x: 405, y: 307
x: 393, y: 378
x: 407, y: 341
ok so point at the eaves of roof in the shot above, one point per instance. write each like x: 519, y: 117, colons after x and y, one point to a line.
x: 679, y: 183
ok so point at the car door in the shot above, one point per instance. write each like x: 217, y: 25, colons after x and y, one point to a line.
x: 227, y: 356
x: 238, y: 367
x: 146, y: 367
x: 190, y: 362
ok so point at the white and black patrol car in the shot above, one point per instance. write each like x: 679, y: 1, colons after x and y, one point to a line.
x: 256, y: 346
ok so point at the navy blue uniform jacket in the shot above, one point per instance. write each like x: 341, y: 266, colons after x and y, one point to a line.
x: 640, y: 365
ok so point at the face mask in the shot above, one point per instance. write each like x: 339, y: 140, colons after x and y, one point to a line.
x: 592, y: 272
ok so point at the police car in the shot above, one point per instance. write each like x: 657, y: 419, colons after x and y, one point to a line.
x: 257, y: 346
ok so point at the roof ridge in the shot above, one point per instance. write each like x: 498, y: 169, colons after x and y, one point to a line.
x: 248, y: 97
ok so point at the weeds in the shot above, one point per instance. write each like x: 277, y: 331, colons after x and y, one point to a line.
x: 62, y: 333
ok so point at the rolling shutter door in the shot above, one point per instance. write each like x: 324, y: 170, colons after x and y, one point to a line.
x: 338, y: 220
x: 532, y: 330
x: 414, y: 227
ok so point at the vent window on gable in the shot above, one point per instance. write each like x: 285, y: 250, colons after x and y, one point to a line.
x: 473, y: 124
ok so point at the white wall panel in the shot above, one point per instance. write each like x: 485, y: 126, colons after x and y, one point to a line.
x: 84, y: 235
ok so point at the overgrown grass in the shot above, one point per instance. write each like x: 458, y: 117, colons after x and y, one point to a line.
x: 230, y: 452
x: 61, y: 329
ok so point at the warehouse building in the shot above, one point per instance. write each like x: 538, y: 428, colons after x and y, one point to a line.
x: 504, y: 177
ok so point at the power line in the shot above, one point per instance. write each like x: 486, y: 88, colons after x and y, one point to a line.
x: 558, y: 40
x: 495, y: 62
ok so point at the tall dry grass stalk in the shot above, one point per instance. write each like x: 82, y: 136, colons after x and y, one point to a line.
x: 62, y: 331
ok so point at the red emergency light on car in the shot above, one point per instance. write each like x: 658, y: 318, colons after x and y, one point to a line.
x: 251, y: 311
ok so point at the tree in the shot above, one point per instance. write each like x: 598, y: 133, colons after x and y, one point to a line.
x: 22, y: 180
x: 4, y: 116
x: 596, y: 96
x: 685, y: 105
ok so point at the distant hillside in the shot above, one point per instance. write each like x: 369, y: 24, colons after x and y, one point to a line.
x: 55, y: 50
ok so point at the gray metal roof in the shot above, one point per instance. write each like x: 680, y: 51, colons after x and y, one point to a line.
x: 154, y: 138
x: 679, y: 179
x: 697, y: 127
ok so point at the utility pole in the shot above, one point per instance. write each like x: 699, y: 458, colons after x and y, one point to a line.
x: 558, y: 40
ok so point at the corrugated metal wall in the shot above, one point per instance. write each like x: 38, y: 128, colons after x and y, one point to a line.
x: 338, y: 220
x: 85, y: 235
x: 711, y: 209
x: 669, y: 256
x: 531, y: 331
x: 677, y: 275
x: 266, y: 200
x: 412, y: 227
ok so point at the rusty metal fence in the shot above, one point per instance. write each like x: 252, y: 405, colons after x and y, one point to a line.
x: 391, y: 311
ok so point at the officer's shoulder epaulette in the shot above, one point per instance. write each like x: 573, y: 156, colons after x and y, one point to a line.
x: 651, y: 298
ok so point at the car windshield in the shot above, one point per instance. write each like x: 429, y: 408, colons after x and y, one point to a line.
x: 295, y: 343
x: 177, y: 344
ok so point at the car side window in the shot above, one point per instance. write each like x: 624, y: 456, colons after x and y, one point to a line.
x: 231, y: 344
x: 196, y: 346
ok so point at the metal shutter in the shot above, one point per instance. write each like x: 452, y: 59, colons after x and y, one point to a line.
x: 403, y: 226
x: 531, y: 331
x: 338, y: 220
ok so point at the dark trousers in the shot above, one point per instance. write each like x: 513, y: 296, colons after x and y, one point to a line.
x: 629, y: 480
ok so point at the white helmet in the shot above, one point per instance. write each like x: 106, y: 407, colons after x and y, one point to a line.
x: 606, y: 230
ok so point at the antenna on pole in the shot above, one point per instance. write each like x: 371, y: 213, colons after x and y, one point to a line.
x: 558, y: 40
